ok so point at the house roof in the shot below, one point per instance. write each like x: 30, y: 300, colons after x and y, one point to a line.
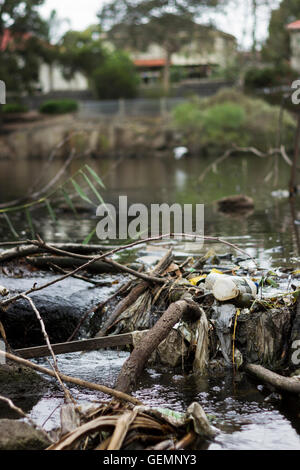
x: 149, y: 62
x: 294, y: 26
x: 8, y: 37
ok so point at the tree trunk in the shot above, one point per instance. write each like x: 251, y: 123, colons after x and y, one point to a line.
x: 293, y: 183
x: 136, y: 362
x: 166, y: 77
x: 254, y: 26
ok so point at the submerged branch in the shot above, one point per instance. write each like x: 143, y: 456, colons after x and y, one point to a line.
x: 286, y: 384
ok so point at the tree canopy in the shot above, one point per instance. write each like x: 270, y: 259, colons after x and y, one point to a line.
x: 277, y: 47
x: 139, y: 23
x: 82, y: 51
x: 21, y: 32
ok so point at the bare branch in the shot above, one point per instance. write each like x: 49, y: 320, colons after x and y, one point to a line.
x: 55, y: 366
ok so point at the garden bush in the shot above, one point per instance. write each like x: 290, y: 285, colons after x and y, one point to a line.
x: 268, y: 77
x: 116, y: 78
x: 59, y: 106
x: 231, y: 117
x: 14, y: 108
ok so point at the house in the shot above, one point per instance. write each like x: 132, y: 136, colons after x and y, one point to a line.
x: 294, y: 30
x: 51, y: 80
x: 196, y: 59
x: 50, y: 76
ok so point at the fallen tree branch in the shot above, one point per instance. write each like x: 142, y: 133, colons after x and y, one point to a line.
x: 26, y: 249
x: 81, y: 383
x: 99, y: 307
x: 82, y: 278
x: 134, y: 365
x: 118, y: 266
x: 235, y: 149
x: 286, y: 384
x: 8, y: 301
x: 134, y: 294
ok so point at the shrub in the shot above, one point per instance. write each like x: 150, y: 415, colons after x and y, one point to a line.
x: 231, y: 117
x: 14, y: 108
x: 268, y: 77
x: 116, y: 78
x: 59, y: 107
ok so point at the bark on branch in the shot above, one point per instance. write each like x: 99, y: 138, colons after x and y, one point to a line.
x: 136, y: 362
x: 286, y: 384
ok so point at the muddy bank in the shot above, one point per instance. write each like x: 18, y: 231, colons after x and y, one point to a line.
x: 100, y: 137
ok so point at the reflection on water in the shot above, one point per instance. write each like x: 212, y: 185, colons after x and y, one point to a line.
x: 268, y: 232
x: 237, y: 409
x: 244, y: 419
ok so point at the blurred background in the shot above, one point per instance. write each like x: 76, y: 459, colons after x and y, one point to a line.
x: 186, y: 101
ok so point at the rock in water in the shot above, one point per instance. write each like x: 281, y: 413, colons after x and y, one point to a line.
x: 238, y: 203
x: 18, y: 435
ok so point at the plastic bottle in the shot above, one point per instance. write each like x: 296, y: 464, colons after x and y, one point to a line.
x: 211, y: 279
x: 231, y: 287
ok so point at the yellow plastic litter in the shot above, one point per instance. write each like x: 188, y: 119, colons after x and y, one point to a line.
x: 238, y: 312
x: 297, y: 271
x: 216, y: 271
x: 195, y: 280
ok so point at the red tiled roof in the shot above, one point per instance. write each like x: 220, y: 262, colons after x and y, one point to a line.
x: 294, y: 26
x: 149, y: 62
x: 8, y: 38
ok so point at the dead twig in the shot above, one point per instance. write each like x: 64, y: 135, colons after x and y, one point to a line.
x: 47, y: 247
x: 81, y: 383
x: 67, y: 393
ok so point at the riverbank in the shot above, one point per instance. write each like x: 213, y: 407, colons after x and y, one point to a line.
x: 109, y: 137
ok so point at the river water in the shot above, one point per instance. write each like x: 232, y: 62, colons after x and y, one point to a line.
x: 240, y: 409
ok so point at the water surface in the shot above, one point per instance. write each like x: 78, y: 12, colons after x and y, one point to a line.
x: 269, y: 233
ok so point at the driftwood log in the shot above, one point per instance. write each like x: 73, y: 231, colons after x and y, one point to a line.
x: 286, y: 384
x: 135, y: 293
x: 138, y: 358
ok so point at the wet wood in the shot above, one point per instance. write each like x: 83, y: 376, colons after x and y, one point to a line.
x: 135, y: 293
x: 285, y: 384
x: 20, y: 251
x: 76, y: 346
x: 134, y: 365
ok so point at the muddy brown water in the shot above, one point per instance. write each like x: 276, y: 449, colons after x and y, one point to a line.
x: 239, y: 408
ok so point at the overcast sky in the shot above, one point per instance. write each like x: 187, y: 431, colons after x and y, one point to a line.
x: 82, y: 13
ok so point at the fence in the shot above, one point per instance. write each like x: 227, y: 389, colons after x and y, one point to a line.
x: 138, y: 107
x: 129, y: 108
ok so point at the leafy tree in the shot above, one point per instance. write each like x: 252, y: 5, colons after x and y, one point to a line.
x: 22, y: 46
x: 82, y: 51
x: 277, y: 48
x: 116, y: 78
x: 169, y: 24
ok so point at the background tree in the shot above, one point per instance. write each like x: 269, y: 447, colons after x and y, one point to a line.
x: 139, y: 23
x: 116, y: 78
x: 277, y: 48
x: 21, y: 31
x: 82, y: 51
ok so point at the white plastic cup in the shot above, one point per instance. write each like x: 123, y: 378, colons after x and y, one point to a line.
x: 230, y: 287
